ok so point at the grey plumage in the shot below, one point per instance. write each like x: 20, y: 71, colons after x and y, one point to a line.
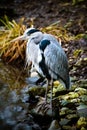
x: 52, y: 57
x: 47, y: 56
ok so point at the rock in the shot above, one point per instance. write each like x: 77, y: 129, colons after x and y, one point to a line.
x: 63, y: 111
x: 66, y: 103
x: 82, y: 110
x: 22, y: 126
x: 82, y: 128
x: 56, y: 83
x: 36, y: 90
x: 67, y: 127
x: 35, y: 80
x: 73, y: 95
x: 60, y: 91
x: 82, y: 122
x: 83, y: 98
x: 72, y: 116
x: 32, y: 80
x: 54, y: 125
x: 36, y: 127
x: 64, y: 121
x: 77, y: 100
x: 83, y: 83
x: 81, y: 91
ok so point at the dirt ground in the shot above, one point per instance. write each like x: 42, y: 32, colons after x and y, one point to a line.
x: 47, y: 12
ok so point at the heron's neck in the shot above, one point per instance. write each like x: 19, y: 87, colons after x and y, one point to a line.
x: 37, y: 37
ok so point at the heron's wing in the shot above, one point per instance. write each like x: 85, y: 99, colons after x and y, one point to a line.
x: 56, y: 61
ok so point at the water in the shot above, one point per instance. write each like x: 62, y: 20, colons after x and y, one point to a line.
x: 13, y: 97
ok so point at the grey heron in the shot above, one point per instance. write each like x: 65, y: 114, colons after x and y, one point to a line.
x: 47, y: 56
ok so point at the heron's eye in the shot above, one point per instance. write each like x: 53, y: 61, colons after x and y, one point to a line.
x: 32, y: 31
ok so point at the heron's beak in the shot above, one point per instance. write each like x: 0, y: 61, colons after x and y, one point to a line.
x: 22, y: 37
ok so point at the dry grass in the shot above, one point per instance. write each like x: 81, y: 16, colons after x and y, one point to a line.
x: 11, y: 51
x: 58, y: 32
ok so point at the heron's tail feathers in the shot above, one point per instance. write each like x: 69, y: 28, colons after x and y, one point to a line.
x: 66, y: 84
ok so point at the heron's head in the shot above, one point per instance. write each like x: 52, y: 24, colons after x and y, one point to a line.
x: 30, y: 32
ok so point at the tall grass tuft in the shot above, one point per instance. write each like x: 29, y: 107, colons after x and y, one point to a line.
x: 11, y: 51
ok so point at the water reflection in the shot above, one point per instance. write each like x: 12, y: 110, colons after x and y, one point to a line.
x: 13, y: 96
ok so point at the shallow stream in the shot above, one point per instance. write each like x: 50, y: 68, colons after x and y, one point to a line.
x: 13, y: 96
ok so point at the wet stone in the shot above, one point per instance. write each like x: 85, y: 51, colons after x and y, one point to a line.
x: 83, y: 98
x: 63, y: 111
x: 82, y: 122
x: 64, y: 121
x: 66, y: 103
x: 82, y: 128
x: 72, y: 116
x: 32, y: 80
x: 81, y: 91
x: 60, y: 91
x: 83, y: 83
x: 54, y: 125
x: 22, y: 126
x: 82, y: 110
x: 77, y: 100
x: 67, y: 127
x: 73, y: 95
x: 36, y: 90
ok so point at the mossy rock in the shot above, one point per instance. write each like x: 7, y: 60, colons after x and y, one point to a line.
x: 82, y: 122
x: 36, y: 90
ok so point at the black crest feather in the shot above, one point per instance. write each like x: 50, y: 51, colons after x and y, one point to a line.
x: 32, y: 31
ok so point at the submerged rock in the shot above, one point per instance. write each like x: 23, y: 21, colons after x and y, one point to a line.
x: 54, y: 125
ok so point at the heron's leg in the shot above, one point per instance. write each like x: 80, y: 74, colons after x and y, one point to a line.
x: 46, y: 91
x: 51, y: 105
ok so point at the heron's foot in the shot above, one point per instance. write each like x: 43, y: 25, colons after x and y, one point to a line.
x: 42, y: 106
